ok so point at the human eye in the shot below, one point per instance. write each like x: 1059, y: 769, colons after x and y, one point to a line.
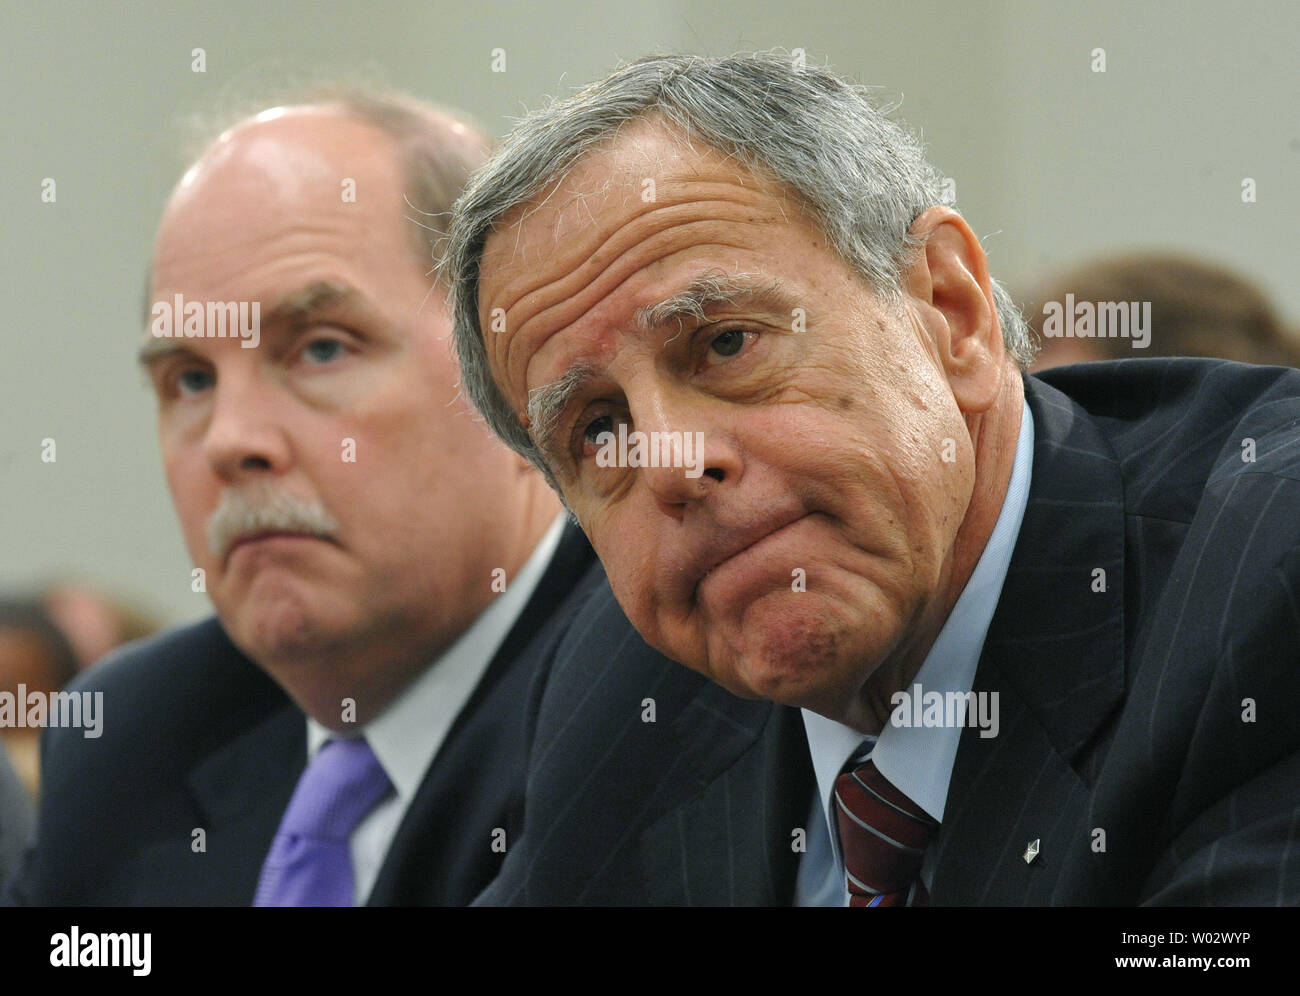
x: 727, y: 344
x: 323, y: 349
x: 180, y: 379
x: 593, y: 433
x: 192, y: 380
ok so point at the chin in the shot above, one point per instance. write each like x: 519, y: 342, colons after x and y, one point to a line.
x: 795, y: 649
x: 280, y: 628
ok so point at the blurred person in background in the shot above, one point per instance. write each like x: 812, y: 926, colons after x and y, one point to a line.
x: 93, y: 622
x: 36, y: 658
x: 1197, y: 308
x: 16, y: 816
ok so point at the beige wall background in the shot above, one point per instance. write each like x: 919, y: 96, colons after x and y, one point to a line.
x: 1051, y: 161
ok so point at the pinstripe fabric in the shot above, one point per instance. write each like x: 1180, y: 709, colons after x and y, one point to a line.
x: 1123, y: 748
x: 648, y: 784
x: 1145, y: 653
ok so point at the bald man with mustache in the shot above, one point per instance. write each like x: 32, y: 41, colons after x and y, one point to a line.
x: 386, y: 576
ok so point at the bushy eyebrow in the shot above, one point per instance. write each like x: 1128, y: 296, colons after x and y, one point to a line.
x: 713, y: 290
x: 546, y: 404
x: 305, y: 303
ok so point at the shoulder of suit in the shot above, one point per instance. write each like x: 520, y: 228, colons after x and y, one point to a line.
x: 174, y: 665
x: 166, y: 689
x: 1176, y: 425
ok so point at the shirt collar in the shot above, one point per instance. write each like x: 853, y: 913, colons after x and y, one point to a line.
x: 918, y: 760
x: 406, y: 736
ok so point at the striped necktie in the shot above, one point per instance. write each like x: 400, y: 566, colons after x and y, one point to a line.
x: 883, y: 835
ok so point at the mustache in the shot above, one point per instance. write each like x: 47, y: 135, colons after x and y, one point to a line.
x: 261, y: 508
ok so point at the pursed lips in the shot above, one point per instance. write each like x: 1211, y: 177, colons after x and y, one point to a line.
x: 246, y: 538
x: 735, y: 542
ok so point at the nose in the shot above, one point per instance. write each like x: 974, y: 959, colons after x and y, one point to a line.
x: 688, y: 455
x: 245, y: 434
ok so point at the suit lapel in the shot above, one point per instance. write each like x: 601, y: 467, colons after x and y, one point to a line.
x: 232, y: 780
x: 1055, y: 657
x: 570, y: 561
x: 241, y: 792
x: 410, y: 875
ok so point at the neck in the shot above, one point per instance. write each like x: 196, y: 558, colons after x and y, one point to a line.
x: 345, y: 688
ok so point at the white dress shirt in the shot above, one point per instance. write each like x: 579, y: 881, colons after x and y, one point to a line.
x: 406, y: 736
x: 916, y: 760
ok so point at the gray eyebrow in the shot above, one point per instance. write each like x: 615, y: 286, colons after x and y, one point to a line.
x: 316, y: 296
x: 153, y: 350
x: 710, y: 291
x: 547, y: 403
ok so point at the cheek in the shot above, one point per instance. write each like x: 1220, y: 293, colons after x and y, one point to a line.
x: 394, y: 452
x: 373, y: 478
x: 894, y: 503
x: 932, y: 465
x: 622, y: 540
x: 426, y: 476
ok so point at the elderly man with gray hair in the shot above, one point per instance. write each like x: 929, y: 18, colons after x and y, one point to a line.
x: 973, y: 637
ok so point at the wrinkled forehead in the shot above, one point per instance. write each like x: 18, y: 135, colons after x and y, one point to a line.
x: 619, y: 178
x: 624, y: 206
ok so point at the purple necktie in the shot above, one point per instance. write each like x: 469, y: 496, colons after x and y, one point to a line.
x: 309, y: 863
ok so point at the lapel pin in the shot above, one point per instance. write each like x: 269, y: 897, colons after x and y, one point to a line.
x: 1031, y: 851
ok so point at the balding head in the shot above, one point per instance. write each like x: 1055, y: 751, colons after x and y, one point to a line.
x: 436, y: 150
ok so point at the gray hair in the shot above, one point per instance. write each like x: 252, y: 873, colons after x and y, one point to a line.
x: 863, y: 177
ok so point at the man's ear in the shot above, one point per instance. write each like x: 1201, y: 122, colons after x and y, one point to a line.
x: 947, y: 281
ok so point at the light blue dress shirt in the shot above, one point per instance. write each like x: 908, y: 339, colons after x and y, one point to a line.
x: 916, y: 759
x: 406, y: 736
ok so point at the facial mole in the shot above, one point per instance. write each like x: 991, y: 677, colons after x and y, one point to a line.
x: 845, y: 403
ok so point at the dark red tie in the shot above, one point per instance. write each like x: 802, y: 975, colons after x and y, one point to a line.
x: 883, y: 835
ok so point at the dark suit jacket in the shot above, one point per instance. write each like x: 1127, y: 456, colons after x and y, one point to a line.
x: 1148, y: 735
x: 16, y: 817
x: 197, y: 736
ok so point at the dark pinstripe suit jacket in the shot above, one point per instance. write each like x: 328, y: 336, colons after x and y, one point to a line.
x: 1149, y: 731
